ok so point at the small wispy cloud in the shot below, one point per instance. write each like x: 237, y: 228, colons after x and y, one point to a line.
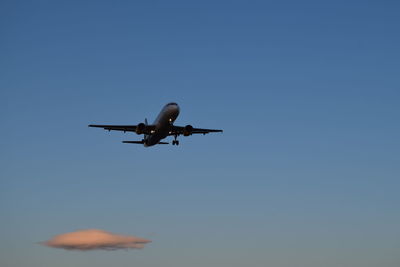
x: 94, y: 239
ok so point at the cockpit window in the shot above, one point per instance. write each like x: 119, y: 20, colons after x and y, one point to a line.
x: 172, y: 104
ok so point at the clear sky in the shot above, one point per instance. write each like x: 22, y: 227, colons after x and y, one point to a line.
x: 306, y: 172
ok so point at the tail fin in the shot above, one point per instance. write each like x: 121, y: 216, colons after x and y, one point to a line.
x: 145, y: 135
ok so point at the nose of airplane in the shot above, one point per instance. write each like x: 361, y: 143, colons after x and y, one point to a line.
x: 175, y: 110
x: 173, y: 107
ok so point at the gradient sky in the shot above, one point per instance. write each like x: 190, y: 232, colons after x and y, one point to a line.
x: 306, y: 172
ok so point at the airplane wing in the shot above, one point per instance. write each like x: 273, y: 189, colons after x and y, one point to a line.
x: 141, y: 128
x: 188, y: 130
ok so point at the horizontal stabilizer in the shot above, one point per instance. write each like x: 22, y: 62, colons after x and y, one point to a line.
x: 133, y: 142
x: 141, y: 142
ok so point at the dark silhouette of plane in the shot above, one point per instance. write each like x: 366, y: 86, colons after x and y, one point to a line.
x: 162, y: 127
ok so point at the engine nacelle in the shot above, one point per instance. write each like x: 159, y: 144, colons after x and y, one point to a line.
x: 140, y: 128
x: 188, y: 130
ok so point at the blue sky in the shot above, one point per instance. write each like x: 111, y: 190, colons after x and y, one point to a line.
x: 306, y: 172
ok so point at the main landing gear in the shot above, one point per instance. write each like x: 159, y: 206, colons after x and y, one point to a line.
x: 175, y: 142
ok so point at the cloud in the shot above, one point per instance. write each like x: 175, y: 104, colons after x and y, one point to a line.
x: 93, y: 239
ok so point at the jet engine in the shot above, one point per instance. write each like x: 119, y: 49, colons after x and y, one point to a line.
x: 188, y: 130
x: 140, y: 128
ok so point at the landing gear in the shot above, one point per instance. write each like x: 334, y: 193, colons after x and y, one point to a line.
x: 175, y: 142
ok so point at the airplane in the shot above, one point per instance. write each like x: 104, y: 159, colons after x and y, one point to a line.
x: 162, y: 127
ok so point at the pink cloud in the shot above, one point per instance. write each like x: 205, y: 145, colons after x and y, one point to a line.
x: 93, y: 239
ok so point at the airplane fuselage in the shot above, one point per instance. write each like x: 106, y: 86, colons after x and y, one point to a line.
x: 163, y: 124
